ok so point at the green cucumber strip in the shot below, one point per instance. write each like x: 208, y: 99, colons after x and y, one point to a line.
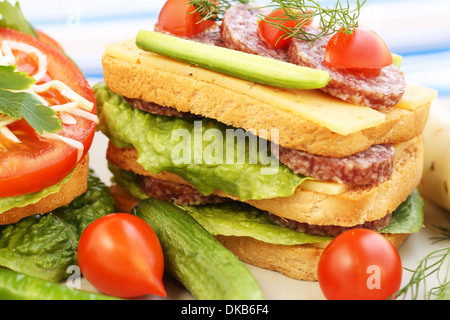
x: 238, y: 64
x: 17, y: 286
x: 398, y: 60
x: 207, y: 269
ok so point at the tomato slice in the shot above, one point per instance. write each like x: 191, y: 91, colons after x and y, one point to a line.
x: 363, y: 52
x: 37, y: 162
x: 277, y: 26
x: 49, y: 40
x: 177, y: 18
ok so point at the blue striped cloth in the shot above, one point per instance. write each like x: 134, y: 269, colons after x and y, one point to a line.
x: 418, y: 30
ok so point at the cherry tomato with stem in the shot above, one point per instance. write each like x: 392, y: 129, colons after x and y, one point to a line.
x: 179, y: 18
x: 360, y: 264
x: 276, y: 28
x: 120, y: 255
x: 363, y: 52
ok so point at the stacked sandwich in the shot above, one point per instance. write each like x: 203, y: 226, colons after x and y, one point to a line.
x: 301, y: 166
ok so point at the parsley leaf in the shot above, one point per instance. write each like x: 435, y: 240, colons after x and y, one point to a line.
x: 10, y: 80
x: 13, y: 18
x: 22, y: 104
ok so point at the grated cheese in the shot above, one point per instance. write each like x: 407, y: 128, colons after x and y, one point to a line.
x: 78, y: 106
x: 8, y: 46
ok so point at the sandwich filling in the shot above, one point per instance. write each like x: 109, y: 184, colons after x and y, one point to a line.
x: 201, y: 179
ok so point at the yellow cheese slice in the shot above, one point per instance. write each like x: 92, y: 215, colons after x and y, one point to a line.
x: 416, y: 96
x: 314, y: 105
x: 324, y: 187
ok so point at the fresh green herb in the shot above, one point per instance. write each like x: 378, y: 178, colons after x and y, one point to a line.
x: 437, y: 264
x: 11, y: 80
x: 214, y: 10
x: 342, y: 18
x: 13, y: 18
x: 18, y: 105
x: 445, y: 234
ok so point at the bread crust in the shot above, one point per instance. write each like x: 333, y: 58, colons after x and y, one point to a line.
x: 187, y: 94
x: 298, y: 262
x: 73, y: 188
x: 351, y: 208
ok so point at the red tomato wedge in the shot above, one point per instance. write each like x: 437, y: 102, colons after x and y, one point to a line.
x: 177, y: 17
x: 37, y: 162
x: 363, y: 52
x: 275, y: 29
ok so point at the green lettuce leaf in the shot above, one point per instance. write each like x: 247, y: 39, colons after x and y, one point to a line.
x: 8, y: 203
x: 44, y: 246
x: 242, y: 220
x: 198, y: 150
x: 408, y: 218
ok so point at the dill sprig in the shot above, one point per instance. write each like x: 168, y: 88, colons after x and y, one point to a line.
x: 337, y: 18
x: 445, y: 234
x: 435, y: 263
x: 214, y: 10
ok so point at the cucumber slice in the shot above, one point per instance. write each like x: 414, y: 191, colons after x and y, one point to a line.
x: 398, y: 60
x: 207, y: 269
x: 234, y: 63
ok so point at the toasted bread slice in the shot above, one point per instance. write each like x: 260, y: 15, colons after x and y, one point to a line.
x: 134, y: 79
x: 298, y: 261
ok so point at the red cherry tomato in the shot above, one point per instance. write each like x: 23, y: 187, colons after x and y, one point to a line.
x: 120, y: 255
x: 176, y: 17
x: 363, y: 51
x: 278, y: 37
x: 360, y: 264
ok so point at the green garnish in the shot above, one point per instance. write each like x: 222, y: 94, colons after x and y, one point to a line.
x: 13, y: 18
x: 339, y: 18
x: 18, y: 105
x: 213, y: 10
x: 436, y: 263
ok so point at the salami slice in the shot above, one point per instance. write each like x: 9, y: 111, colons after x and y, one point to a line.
x: 380, y: 92
x: 370, y: 167
x: 330, y: 231
x: 175, y: 192
x: 210, y: 36
x: 239, y: 31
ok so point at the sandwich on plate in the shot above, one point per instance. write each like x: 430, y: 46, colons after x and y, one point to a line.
x: 274, y: 130
x: 47, y: 121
